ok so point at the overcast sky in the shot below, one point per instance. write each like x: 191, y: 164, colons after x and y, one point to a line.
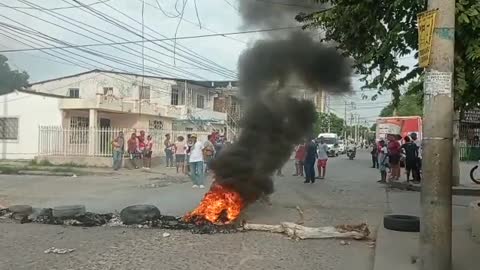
x: 211, y: 58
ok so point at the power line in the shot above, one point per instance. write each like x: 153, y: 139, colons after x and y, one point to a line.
x: 95, y: 53
x: 58, y: 8
x: 154, y: 40
x: 192, y: 23
x: 163, y: 11
x: 220, y: 70
x: 230, y: 4
x: 88, y: 66
x: 186, y: 49
x: 102, y: 54
x: 122, y: 26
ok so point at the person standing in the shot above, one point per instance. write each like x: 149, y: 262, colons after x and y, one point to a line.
x: 147, y: 160
x: 299, y: 159
x: 374, y: 154
x: 208, y: 152
x: 322, y: 158
x: 118, y: 145
x: 132, y: 148
x: 180, y: 153
x: 189, y: 148
x: 168, y: 151
x: 383, y: 163
x: 411, y: 159
x: 394, y: 155
x: 418, y: 143
x: 196, y: 162
x: 310, y: 157
x: 141, y: 140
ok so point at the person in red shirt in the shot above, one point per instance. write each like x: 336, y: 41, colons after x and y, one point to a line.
x: 299, y: 159
x: 394, y: 154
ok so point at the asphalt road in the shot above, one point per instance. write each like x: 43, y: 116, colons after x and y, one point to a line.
x: 349, y: 194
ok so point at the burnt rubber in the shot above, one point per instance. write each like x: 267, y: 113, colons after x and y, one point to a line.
x: 401, y: 223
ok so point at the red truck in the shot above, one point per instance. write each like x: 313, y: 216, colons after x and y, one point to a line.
x: 401, y: 125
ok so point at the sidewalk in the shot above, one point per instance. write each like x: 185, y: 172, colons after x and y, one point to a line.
x: 400, y: 250
x: 466, y: 187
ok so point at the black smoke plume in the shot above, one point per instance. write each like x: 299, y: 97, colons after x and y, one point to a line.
x: 274, y: 120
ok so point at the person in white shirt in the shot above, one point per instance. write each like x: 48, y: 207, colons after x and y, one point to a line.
x: 196, y: 162
x: 322, y: 152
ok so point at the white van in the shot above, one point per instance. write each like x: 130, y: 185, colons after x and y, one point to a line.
x: 331, y: 139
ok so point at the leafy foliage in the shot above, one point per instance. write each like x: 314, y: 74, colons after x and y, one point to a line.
x: 10, y: 79
x: 409, y: 105
x: 376, y: 33
x: 325, y: 120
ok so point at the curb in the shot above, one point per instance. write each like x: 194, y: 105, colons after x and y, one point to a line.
x: 46, y: 173
x: 458, y: 190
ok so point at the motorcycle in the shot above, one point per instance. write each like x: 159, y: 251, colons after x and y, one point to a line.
x: 475, y: 174
x: 351, y: 152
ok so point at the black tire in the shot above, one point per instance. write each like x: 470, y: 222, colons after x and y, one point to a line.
x: 472, y: 175
x: 402, y: 223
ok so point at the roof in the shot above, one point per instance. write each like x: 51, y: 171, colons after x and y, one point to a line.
x: 37, y: 93
x: 207, y: 84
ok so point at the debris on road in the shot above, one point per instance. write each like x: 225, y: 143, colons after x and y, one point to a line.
x: 54, y: 250
x: 344, y: 243
x: 68, y: 211
x: 165, y: 234
x: 357, y: 232
x: 139, y: 214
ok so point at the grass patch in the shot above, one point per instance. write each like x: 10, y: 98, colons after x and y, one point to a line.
x: 47, y: 163
x: 6, y: 169
x: 10, y: 169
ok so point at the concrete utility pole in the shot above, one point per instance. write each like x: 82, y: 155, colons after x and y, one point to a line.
x: 436, y: 196
x: 345, y: 124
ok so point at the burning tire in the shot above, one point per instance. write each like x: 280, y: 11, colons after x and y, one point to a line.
x: 401, y: 223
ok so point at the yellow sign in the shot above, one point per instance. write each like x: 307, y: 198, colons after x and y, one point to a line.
x: 426, y: 24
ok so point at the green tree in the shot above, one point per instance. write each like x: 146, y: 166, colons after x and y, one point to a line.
x: 325, y: 120
x: 409, y: 105
x: 11, y: 79
x: 376, y: 33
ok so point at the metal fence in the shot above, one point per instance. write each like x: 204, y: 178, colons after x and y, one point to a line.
x: 469, y: 132
x: 97, y: 142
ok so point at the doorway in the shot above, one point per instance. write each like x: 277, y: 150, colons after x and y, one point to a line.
x: 105, y: 136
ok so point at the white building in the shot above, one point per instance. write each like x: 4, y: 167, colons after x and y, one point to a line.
x: 77, y: 116
x: 22, y: 112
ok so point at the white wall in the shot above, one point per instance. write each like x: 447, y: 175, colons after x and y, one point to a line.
x: 32, y: 111
x: 127, y: 86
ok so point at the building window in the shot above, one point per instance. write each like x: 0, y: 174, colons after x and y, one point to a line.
x: 188, y: 129
x: 175, y: 98
x: 144, y: 92
x: 108, y: 91
x: 200, y: 101
x: 8, y: 128
x: 79, y: 130
x: 79, y: 122
x: 156, y: 124
x: 74, y: 92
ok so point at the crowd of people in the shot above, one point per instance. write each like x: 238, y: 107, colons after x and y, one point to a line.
x: 139, y: 149
x: 313, y: 151
x: 188, y: 155
x: 194, y: 157
x: 388, y: 156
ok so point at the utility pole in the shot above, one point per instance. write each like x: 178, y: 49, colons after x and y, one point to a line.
x: 328, y: 113
x: 345, y: 124
x: 436, y: 195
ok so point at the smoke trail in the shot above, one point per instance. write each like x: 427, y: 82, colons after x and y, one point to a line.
x: 274, y: 121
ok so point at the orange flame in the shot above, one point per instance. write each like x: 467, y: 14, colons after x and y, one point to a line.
x: 220, y: 205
